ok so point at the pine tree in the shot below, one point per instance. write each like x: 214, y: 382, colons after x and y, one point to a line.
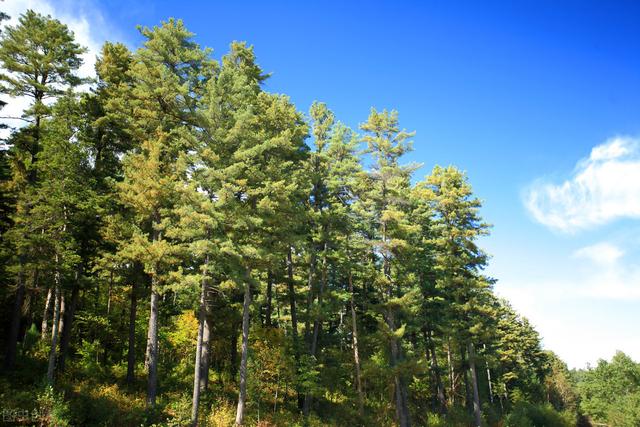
x: 457, y: 225
x: 169, y: 76
x: 386, y: 204
x: 59, y: 206
x: 40, y: 60
x: 262, y: 140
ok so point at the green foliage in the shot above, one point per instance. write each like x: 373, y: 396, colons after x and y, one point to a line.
x: 54, y: 410
x: 526, y: 414
x: 178, y: 176
x: 610, y: 391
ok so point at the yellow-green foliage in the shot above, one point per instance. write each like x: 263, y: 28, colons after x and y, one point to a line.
x: 223, y: 414
x: 272, y: 373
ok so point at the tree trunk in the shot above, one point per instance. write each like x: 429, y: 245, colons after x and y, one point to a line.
x: 452, y: 380
x: 133, y: 309
x: 65, y: 338
x: 109, y: 293
x: 16, y: 317
x: 317, y: 325
x: 152, y: 346
x: 294, y: 320
x: 486, y: 363
x: 477, y: 412
x: 242, y: 398
x: 205, y: 355
x: 45, y: 315
x: 63, y: 309
x: 198, y: 363
x: 269, y: 308
x: 435, y: 370
x: 468, y: 401
x: 54, y: 332
x: 310, y: 293
x: 402, y: 407
x: 233, y: 354
x: 356, y: 355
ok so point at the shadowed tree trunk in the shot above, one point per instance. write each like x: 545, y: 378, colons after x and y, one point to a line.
x: 205, y: 355
x: 269, y: 309
x: 242, y: 397
x: 45, y: 315
x: 486, y: 363
x: 152, y: 346
x: 133, y: 308
x: 294, y: 318
x: 435, y: 370
x: 402, y: 407
x: 202, y: 316
x: 233, y: 353
x: 452, y: 379
x: 317, y: 325
x: 54, y: 333
x: 477, y: 413
x: 65, y: 337
x: 14, y: 331
x: 356, y: 354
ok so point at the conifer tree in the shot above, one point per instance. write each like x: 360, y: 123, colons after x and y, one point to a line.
x: 386, y: 203
x: 458, y: 225
x: 169, y: 76
x: 40, y: 59
x: 262, y: 149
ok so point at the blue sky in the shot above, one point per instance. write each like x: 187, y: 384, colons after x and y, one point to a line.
x: 536, y: 100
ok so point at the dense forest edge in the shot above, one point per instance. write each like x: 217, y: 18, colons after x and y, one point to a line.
x: 179, y: 246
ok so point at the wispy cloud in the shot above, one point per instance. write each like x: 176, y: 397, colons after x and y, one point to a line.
x: 606, y: 275
x: 603, y: 253
x: 602, y: 188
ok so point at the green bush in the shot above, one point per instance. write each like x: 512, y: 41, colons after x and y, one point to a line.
x: 529, y: 415
x: 54, y: 411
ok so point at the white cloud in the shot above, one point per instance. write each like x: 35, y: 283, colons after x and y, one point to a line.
x: 602, y: 188
x: 573, y: 314
x: 578, y: 296
x: 83, y: 18
x: 603, y: 253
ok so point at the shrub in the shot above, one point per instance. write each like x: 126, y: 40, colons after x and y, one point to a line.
x: 223, y: 414
x: 529, y: 415
x: 54, y: 411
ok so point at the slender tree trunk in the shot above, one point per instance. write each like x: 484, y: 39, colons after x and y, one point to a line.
x: 65, y: 337
x: 205, y: 355
x: 45, y: 315
x: 317, y: 325
x: 356, y: 355
x: 477, y: 412
x: 152, y: 346
x: 465, y: 370
x: 435, y: 370
x: 233, y: 354
x: 63, y: 309
x: 294, y: 319
x: 269, y: 308
x: 54, y: 332
x: 310, y: 293
x: 452, y: 380
x: 402, y: 407
x: 486, y: 363
x: 202, y: 315
x: 133, y: 309
x: 109, y: 288
x: 242, y: 398
x: 16, y: 317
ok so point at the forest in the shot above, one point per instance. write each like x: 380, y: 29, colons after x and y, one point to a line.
x: 180, y: 246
